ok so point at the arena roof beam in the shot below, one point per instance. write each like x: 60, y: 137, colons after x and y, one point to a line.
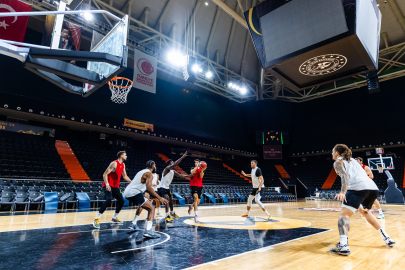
x: 163, y: 15
x: 231, y: 12
x: 397, y: 12
x: 191, y: 21
x: 230, y: 40
x: 246, y: 48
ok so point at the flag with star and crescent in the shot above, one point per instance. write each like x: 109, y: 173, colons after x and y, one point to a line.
x: 13, y: 28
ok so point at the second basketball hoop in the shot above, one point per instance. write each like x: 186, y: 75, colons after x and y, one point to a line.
x: 120, y: 88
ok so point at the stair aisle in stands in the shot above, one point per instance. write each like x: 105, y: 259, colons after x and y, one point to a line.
x: 73, y: 166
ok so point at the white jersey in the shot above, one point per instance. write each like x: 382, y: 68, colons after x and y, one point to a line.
x: 167, y: 180
x: 255, y: 179
x: 136, y: 187
x: 154, y: 181
x: 358, y: 178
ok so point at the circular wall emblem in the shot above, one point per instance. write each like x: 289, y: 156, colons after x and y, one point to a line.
x: 323, y: 64
x: 145, y: 67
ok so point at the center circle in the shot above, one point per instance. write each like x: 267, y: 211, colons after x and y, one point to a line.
x: 252, y: 223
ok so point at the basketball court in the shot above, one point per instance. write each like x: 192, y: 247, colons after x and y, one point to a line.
x: 298, y: 236
x: 299, y: 233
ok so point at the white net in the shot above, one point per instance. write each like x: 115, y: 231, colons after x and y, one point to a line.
x: 120, y: 88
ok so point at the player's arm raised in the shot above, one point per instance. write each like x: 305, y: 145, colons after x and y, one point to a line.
x: 171, y: 167
x: 246, y: 175
x: 181, y: 175
x: 369, y: 172
x: 110, y: 168
x: 125, y: 176
x: 340, y: 170
x: 148, y: 182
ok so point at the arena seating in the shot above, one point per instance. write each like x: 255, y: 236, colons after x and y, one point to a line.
x: 29, y: 193
x: 30, y: 159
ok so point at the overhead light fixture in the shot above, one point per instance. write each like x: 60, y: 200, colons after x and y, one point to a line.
x: 196, y: 68
x: 208, y: 74
x: 88, y: 16
x: 243, y: 90
x: 206, y: 3
x: 176, y: 58
x: 230, y: 85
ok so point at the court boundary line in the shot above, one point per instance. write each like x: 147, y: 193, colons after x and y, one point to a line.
x: 256, y: 250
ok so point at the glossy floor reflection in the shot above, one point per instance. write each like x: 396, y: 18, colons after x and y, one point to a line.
x: 114, y: 247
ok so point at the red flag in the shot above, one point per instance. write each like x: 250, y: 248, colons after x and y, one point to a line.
x: 13, y: 28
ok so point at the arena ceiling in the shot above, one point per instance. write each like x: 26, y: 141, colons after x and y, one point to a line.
x: 215, y: 32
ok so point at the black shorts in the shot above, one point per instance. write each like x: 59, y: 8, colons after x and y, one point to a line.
x: 138, y: 199
x: 197, y: 190
x: 356, y: 197
x: 256, y: 191
x: 164, y: 191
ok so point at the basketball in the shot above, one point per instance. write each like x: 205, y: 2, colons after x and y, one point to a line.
x: 203, y: 164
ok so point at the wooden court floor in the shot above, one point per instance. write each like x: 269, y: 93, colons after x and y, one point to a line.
x: 308, y: 252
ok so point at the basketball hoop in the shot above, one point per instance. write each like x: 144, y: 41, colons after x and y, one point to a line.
x: 120, y: 88
x: 380, y: 169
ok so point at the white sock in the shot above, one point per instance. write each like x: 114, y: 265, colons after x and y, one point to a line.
x: 115, y: 215
x: 267, y: 213
x: 248, y: 212
x: 135, y: 220
x: 383, y: 233
x: 172, y: 212
x: 147, y: 214
x: 196, y: 213
x: 149, y: 225
x: 99, y: 215
x: 380, y: 211
x: 343, y: 240
x: 167, y: 214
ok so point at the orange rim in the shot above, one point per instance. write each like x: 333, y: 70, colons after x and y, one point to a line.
x: 119, y: 86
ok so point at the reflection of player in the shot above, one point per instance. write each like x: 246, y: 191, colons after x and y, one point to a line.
x: 258, y: 184
x: 66, y: 40
x: 357, y: 189
x: 259, y: 239
x: 370, y: 174
x: 197, y: 174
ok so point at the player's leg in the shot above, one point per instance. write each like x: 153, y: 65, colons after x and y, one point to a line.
x: 149, y: 232
x: 103, y: 207
x: 367, y: 204
x: 257, y: 199
x: 172, y: 213
x: 195, y: 206
x: 137, y: 214
x: 168, y: 197
x: 116, y: 193
x: 147, y: 196
x: 342, y: 248
x: 380, y: 212
x: 249, y: 202
x: 158, y: 207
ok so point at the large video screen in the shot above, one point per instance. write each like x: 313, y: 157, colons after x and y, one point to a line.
x: 272, y: 137
x: 280, y: 34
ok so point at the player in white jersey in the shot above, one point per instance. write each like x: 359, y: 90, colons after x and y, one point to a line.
x: 134, y: 193
x: 357, y: 189
x: 258, y: 184
x: 371, y: 176
x: 155, y: 184
x: 164, y: 190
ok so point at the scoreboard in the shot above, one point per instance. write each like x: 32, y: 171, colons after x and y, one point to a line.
x: 272, y: 137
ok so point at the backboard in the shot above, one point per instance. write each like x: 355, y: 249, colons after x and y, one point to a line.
x: 64, y: 58
x: 387, y: 163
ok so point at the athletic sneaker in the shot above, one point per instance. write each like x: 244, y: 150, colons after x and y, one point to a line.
x: 151, y: 234
x: 96, y: 223
x: 159, y: 215
x: 190, y: 207
x: 245, y: 215
x: 174, y: 216
x: 389, y: 242
x: 381, y: 216
x: 267, y: 217
x: 197, y: 219
x: 340, y: 250
x: 133, y: 227
x: 169, y: 219
x: 117, y: 221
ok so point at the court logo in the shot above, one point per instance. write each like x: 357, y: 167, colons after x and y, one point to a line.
x: 323, y: 64
x: 3, y: 23
x: 145, y: 67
